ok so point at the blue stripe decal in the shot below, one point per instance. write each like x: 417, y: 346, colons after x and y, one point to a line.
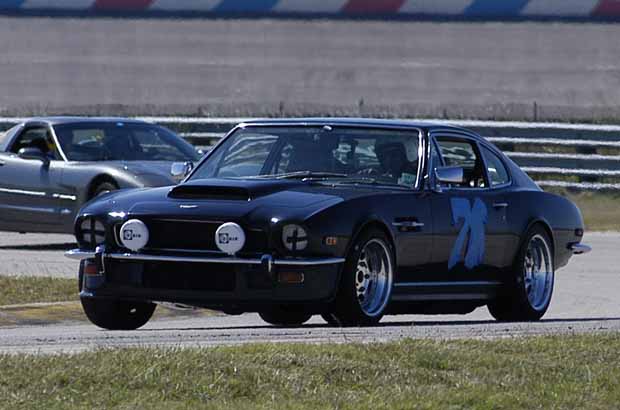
x: 500, y: 8
x: 251, y: 6
x: 11, y: 4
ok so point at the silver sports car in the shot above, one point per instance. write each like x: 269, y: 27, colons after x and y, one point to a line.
x: 49, y: 167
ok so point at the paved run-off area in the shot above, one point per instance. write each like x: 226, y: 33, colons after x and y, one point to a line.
x: 585, y: 300
x: 524, y: 70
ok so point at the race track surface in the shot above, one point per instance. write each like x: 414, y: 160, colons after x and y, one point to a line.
x: 309, y: 67
x: 585, y: 300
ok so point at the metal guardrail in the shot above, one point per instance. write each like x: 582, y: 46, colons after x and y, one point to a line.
x: 574, y: 156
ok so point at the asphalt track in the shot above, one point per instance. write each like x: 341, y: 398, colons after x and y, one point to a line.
x: 585, y: 301
x: 522, y: 70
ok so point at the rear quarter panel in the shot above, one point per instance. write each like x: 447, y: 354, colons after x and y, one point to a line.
x: 558, y: 214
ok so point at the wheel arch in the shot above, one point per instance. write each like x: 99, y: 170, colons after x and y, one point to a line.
x: 372, y: 222
x: 547, y: 228
x: 98, y: 180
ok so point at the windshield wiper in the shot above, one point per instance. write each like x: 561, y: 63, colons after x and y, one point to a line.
x: 304, y: 175
x: 369, y: 181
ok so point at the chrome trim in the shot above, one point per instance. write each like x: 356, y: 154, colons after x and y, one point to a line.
x: 22, y: 192
x: 408, y: 224
x: 500, y: 204
x: 579, y: 248
x: 81, y: 254
x: 461, y: 283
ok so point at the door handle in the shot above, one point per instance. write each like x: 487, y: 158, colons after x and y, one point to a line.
x: 2, y: 163
x: 408, y: 225
x: 499, y: 205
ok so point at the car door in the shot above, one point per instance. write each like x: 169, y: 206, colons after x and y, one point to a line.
x: 32, y: 198
x: 470, y: 230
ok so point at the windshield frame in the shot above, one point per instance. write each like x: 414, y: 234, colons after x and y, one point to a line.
x: 333, y: 125
x: 196, y: 159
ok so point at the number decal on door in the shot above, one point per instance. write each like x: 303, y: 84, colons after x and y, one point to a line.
x: 474, y: 218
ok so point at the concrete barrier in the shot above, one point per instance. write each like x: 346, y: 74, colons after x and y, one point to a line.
x: 476, y: 9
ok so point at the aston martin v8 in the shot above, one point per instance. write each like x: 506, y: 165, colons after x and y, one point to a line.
x: 50, y: 167
x: 349, y: 219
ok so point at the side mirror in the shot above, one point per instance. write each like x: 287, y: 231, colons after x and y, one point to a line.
x: 181, y: 169
x: 449, y: 175
x: 33, y: 153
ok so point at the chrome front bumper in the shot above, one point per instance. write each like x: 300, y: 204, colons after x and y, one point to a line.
x: 579, y: 248
x: 267, y: 260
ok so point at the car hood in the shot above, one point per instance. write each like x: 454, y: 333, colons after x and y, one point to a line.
x: 227, y: 199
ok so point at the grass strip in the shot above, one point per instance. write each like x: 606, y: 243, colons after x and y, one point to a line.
x: 28, y: 289
x: 567, y: 372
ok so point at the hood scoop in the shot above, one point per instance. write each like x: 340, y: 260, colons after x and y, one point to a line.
x: 222, y: 193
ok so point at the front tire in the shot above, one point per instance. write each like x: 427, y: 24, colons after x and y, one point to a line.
x: 112, y: 314
x: 366, y: 284
x: 527, y: 296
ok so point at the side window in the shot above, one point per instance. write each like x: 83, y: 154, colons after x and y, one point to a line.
x: 37, y: 137
x: 462, y: 153
x: 496, y: 170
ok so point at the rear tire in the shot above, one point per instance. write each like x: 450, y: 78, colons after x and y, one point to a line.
x: 366, y: 283
x: 112, y: 314
x: 527, y: 296
x: 281, y: 316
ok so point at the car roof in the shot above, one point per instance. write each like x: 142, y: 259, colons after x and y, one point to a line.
x: 358, y: 122
x: 75, y: 119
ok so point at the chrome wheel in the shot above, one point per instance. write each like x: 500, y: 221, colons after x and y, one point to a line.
x: 373, y: 277
x: 538, y: 272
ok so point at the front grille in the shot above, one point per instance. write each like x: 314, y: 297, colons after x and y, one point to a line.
x: 190, y: 235
x: 213, y: 277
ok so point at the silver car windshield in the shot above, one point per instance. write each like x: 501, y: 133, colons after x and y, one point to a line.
x: 110, y: 141
x: 343, y: 155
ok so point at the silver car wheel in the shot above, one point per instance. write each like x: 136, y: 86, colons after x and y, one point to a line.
x: 373, y: 277
x: 538, y: 272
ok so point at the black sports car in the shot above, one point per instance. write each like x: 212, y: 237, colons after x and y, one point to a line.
x: 350, y: 219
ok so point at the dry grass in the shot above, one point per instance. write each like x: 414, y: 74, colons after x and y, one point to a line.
x: 28, y: 289
x: 568, y: 372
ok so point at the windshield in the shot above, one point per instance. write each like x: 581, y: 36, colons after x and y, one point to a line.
x: 349, y: 155
x: 118, y: 141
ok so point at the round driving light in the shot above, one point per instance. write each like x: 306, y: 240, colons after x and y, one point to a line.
x: 134, y: 235
x: 230, y: 238
x: 294, y: 238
